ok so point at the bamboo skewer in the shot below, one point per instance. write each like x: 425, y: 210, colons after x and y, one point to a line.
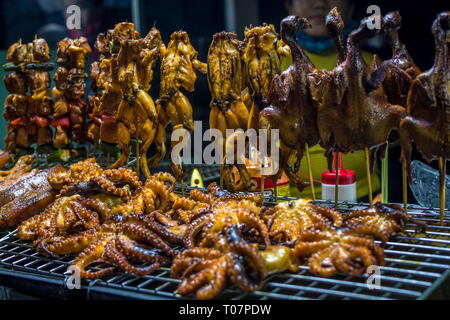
x: 405, y: 186
x: 369, y: 175
x: 384, y: 176
x: 311, y: 181
x: 442, y: 186
x: 137, y: 153
x: 262, y: 187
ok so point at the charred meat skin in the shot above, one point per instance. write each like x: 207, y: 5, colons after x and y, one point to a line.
x: 428, y: 120
x: 34, y: 195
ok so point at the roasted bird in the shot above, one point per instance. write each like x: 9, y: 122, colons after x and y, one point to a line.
x: 226, y: 81
x: 428, y: 119
x: 70, y: 109
x: 261, y: 56
x: 136, y: 114
x: 353, y: 112
x: 178, y: 66
x: 403, y: 70
x: 291, y: 108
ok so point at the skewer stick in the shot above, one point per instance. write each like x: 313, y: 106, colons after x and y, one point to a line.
x: 369, y: 176
x: 182, y: 178
x: 442, y: 170
x: 384, y: 176
x: 137, y: 153
x: 262, y: 187
x: 405, y: 186
x: 336, y: 182
x: 311, y: 181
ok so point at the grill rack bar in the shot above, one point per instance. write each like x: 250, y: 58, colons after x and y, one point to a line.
x: 418, y: 265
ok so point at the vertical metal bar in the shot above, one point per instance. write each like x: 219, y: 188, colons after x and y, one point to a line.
x: 230, y: 15
x: 135, y: 14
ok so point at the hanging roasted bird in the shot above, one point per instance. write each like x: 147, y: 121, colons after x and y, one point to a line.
x: 403, y: 70
x: 178, y: 66
x: 262, y: 57
x: 428, y: 120
x: 353, y: 112
x: 226, y: 81
x: 136, y: 114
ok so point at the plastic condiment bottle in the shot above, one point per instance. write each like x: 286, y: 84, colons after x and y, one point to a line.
x: 346, y: 188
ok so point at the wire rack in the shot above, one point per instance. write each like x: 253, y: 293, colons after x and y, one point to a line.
x: 417, y: 268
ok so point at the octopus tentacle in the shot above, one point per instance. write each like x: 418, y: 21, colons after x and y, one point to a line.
x: 135, y: 252
x: 166, y: 178
x: 119, y: 259
x: 92, y: 254
x: 163, y: 232
x: 137, y: 232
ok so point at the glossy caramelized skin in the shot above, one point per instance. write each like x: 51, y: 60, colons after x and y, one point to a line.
x: 69, y: 108
x: 291, y: 109
x: 26, y: 198
x: 261, y: 56
x: 226, y: 81
x: 29, y: 104
x: 428, y: 107
x: 403, y: 71
x: 353, y: 112
x: 136, y: 113
x: 178, y: 71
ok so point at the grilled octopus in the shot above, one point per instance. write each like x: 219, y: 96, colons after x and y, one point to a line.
x: 428, y: 119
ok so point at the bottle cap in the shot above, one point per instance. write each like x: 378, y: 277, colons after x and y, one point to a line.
x: 345, y: 176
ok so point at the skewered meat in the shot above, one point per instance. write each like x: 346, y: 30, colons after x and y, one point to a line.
x: 69, y: 108
x: 291, y: 108
x: 261, y: 56
x: 33, y: 195
x: 136, y: 114
x: 353, y: 113
x: 428, y: 107
x: 178, y: 67
x: 29, y: 104
x: 400, y: 76
x: 226, y: 81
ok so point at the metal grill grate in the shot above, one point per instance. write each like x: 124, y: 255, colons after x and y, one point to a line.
x: 417, y: 266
